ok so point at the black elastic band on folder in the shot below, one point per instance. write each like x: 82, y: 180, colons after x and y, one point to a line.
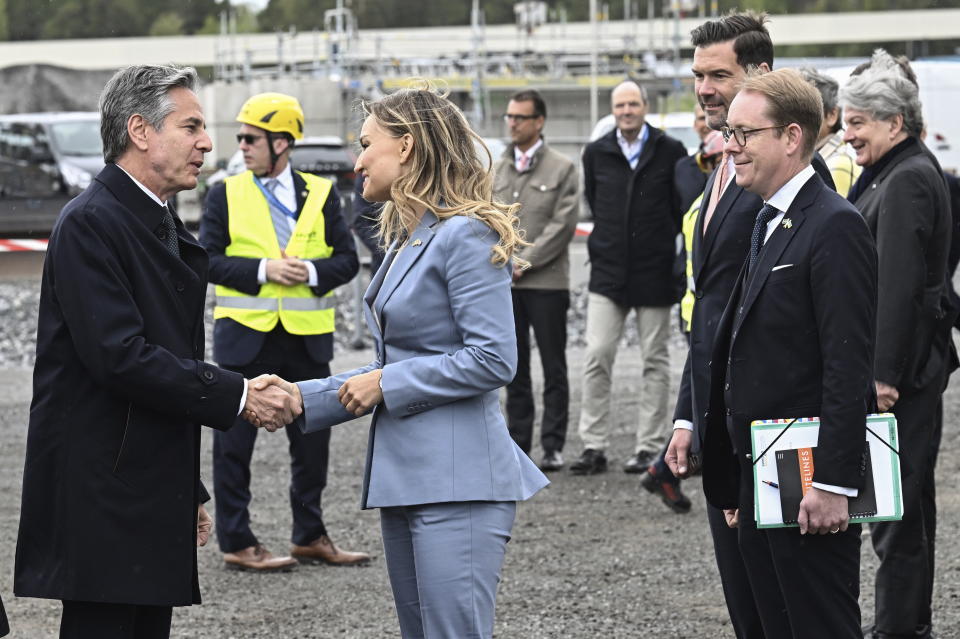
x: 794, y: 420
x: 760, y: 456
x: 882, y: 441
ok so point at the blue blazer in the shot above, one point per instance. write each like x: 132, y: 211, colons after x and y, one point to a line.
x: 442, y: 318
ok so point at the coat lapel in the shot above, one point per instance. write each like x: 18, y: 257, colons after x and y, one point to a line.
x: 300, y: 190
x: 403, y: 260
x: 727, y: 201
x: 698, y: 257
x: 646, y: 153
x: 777, y: 243
x: 190, y: 268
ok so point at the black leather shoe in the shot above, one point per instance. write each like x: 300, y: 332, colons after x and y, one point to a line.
x: 639, y: 462
x: 670, y: 493
x: 590, y: 462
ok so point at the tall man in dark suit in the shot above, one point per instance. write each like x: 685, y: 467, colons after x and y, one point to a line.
x: 796, y: 339
x: 112, y: 500
x: 724, y: 50
x: 278, y: 248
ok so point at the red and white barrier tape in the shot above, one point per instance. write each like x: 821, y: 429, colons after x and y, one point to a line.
x: 7, y: 246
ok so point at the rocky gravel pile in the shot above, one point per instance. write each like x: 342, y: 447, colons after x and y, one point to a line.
x: 20, y: 300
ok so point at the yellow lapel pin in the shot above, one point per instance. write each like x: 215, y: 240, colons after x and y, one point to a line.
x: 787, y: 223
x: 416, y: 243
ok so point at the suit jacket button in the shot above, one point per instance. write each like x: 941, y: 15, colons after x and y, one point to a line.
x: 208, y: 375
x: 699, y: 295
x: 729, y: 412
x: 726, y: 386
x: 748, y: 455
x: 180, y: 287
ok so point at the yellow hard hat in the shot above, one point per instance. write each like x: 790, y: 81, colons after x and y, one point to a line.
x: 274, y: 112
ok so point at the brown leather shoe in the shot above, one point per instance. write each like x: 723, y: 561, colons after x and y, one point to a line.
x: 323, y: 550
x: 258, y: 559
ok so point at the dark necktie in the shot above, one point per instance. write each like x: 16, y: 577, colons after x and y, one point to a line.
x: 766, y: 214
x: 169, y: 238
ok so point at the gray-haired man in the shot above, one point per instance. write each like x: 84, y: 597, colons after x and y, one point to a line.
x: 112, y: 501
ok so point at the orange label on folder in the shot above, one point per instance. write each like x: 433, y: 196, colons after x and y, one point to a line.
x: 805, y: 456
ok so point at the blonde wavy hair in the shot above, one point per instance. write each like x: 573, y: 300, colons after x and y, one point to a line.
x: 445, y: 175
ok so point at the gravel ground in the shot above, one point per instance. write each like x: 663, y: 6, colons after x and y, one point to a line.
x: 591, y: 556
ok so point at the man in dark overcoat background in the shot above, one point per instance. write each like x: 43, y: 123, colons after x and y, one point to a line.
x: 628, y: 183
x: 112, y: 500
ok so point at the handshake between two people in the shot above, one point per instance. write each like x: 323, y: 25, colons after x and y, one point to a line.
x: 273, y: 402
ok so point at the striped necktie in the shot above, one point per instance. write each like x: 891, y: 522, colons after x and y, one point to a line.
x: 281, y: 224
x: 523, y: 163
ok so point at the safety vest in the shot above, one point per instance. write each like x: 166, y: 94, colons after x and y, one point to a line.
x: 252, y: 235
x: 689, y: 228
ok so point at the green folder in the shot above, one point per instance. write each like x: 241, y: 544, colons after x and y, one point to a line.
x: 782, y: 466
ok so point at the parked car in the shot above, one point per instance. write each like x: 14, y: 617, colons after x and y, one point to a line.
x: 327, y: 156
x: 678, y: 125
x: 323, y: 155
x: 45, y: 160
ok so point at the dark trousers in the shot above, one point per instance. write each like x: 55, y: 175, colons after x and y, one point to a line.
x: 805, y: 586
x: 737, y: 593
x: 89, y: 620
x: 904, y: 582
x: 545, y: 311
x: 286, y: 356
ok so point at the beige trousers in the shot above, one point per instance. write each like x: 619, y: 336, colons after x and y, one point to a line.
x: 605, y: 322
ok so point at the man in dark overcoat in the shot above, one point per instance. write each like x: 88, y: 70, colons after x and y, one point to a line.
x: 112, y: 500
x: 628, y: 183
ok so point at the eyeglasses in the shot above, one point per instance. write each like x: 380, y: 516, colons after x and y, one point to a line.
x: 516, y: 116
x: 249, y: 138
x: 740, y: 134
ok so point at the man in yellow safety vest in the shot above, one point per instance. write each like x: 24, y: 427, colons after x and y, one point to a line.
x: 278, y: 248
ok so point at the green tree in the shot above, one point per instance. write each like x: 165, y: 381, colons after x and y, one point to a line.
x: 246, y: 21
x: 4, y: 32
x: 95, y: 18
x: 25, y: 19
x: 167, y: 24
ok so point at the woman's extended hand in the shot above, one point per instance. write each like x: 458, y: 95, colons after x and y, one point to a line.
x: 361, y: 393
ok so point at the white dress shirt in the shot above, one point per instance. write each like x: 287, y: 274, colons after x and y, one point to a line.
x: 632, y: 150
x: 517, y: 154
x: 150, y: 194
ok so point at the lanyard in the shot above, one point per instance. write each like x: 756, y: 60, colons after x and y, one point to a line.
x: 272, y: 199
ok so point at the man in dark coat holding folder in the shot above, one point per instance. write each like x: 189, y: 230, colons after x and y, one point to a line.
x: 112, y: 501
x: 795, y: 340
x: 725, y: 49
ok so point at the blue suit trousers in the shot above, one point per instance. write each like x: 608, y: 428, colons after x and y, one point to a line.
x: 444, y: 564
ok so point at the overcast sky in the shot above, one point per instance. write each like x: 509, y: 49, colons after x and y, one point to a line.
x: 256, y: 5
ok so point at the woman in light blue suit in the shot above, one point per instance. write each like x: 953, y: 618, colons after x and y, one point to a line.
x: 441, y: 465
